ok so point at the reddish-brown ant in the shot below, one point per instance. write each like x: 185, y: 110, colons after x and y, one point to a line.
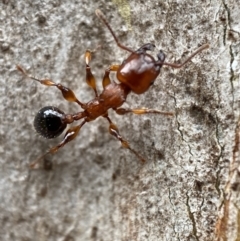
x: 137, y: 73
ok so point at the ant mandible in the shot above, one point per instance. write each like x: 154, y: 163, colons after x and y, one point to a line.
x: 137, y: 73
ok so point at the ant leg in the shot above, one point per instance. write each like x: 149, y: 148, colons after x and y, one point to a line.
x: 90, y: 79
x: 123, y: 111
x: 104, y: 20
x: 161, y: 59
x: 113, y: 130
x: 106, y: 80
x: 69, y: 136
x: 67, y: 93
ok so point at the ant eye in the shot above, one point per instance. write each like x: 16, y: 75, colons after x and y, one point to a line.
x: 49, y: 122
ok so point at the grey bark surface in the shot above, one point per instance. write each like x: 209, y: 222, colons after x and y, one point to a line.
x: 189, y: 187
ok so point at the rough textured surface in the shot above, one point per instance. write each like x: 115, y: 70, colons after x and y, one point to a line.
x: 96, y: 190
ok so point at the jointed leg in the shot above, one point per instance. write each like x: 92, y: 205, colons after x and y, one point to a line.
x: 123, y: 111
x: 89, y: 76
x: 67, y: 93
x: 106, y: 80
x: 113, y: 130
x: 69, y: 136
x: 90, y: 79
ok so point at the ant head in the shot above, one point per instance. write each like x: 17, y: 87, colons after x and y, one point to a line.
x: 49, y: 122
x: 138, y: 72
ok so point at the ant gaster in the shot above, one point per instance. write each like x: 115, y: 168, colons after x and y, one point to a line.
x: 137, y: 73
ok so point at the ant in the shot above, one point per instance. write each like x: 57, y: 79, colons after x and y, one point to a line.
x: 136, y: 73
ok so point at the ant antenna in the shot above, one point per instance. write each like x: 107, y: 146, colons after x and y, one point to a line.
x: 104, y: 20
x: 177, y: 66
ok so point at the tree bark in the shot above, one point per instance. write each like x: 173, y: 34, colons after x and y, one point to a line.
x: 95, y: 190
